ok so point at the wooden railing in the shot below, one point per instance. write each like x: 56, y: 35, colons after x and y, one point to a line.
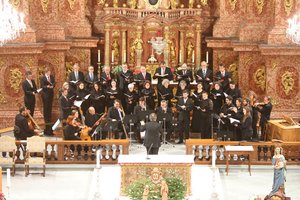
x: 263, y: 151
x: 78, y: 152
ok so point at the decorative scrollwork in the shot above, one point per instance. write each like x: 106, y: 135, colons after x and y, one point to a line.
x: 16, y: 3
x: 288, y: 5
x: 2, y: 62
x: 287, y: 82
x: 233, y: 4
x: 68, y: 67
x: 72, y: 3
x: 45, y: 4
x: 259, y: 5
x: 204, y: 2
x: 101, y: 2
x: 274, y: 65
x: 15, y: 79
x: 2, y: 98
x: 233, y: 68
x: 260, y: 78
x: 298, y: 102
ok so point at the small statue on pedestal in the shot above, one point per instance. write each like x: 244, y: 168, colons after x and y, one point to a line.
x: 164, y: 190
x: 191, y: 3
x: 173, y: 4
x: 189, y: 50
x: 146, y: 192
x: 115, y: 3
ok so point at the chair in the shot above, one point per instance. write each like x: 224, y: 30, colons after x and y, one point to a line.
x: 35, y: 146
x: 8, y: 152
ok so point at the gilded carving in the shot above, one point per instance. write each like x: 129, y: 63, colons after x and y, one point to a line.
x: 259, y: 5
x: 190, y: 50
x: 233, y: 68
x: 29, y: 63
x: 138, y: 42
x: 260, y: 78
x: 83, y: 56
x: 115, y: 3
x: 101, y: 2
x: 288, y: 5
x: 190, y: 34
x: 233, y: 4
x: 68, y: 67
x: 172, y: 51
x: 2, y: 98
x: 274, y: 100
x: 115, y: 50
x: 132, y: 53
x: 45, y: 4
x: 133, y: 4
x: 115, y: 34
x: 287, y: 82
x: 16, y: 3
x: 204, y: 2
x: 298, y: 102
x: 15, y: 79
x: 274, y: 65
x: 72, y: 3
x: 2, y: 62
x: 191, y: 3
x: 173, y: 4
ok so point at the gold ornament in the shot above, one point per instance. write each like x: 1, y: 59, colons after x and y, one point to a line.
x: 16, y: 3
x: 72, y: 3
x: 288, y: 5
x: 2, y: 62
x: 204, y: 2
x: 101, y: 2
x: 233, y: 4
x: 15, y: 79
x: 173, y: 4
x: 259, y: 5
x: 191, y: 3
x: 138, y: 42
x: 2, y: 98
x: 233, y: 68
x: 260, y: 78
x: 68, y: 67
x: 274, y: 65
x: 287, y: 82
x: 298, y: 102
x: 115, y: 3
x: 45, y: 4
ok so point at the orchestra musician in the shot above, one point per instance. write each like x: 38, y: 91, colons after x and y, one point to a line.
x: 164, y: 109
x: 204, y: 75
x: 116, y: 113
x: 105, y: 78
x: 98, y: 98
x: 161, y: 73
x: 223, y: 76
x: 131, y: 98
x: 181, y: 87
x: 233, y: 91
x: 217, y: 96
x: 72, y: 130
x: 184, y: 106
x: 165, y: 92
x: 184, y: 74
x: 246, y: 124
x: 197, y: 98
x: 30, y: 90
x: 142, y: 77
x: 91, y: 119
x: 149, y: 94
x: 265, y: 109
x: 124, y: 78
x: 75, y: 76
x: 22, y: 130
x: 206, y: 108
x: 90, y: 78
x: 112, y: 93
x: 65, y: 105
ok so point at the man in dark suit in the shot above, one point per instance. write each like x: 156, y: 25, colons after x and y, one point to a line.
x: 22, y: 130
x: 204, y: 76
x: 75, y: 77
x: 116, y: 114
x: 142, y: 77
x: 223, y: 76
x: 152, y: 136
x: 90, y: 78
x: 265, y: 111
x: 184, y: 107
x: 184, y: 74
x: 30, y: 90
x: 163, y: 72
x: 65, y: 105
x: 105, y: 78
x: 47, y: 82
x: 125, y: 77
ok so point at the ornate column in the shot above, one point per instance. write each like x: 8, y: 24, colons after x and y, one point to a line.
x: 181, y: 47
x: 198, y: 46
x: 123, y: 48
x: 166, y: 50
x: 139, y: 48
x: 106, y: 46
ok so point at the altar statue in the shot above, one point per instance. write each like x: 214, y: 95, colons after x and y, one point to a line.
x: 279, y: 164
x: 191, y: 3
x: 138, y: 43
x: 173, y: 4
x: 115, y: 49
x: 172, y: 51
x: 133, y: 4
x: 146, y: 192
x: 189, y: 49
x: 164, y: 190
x: 115, y: 3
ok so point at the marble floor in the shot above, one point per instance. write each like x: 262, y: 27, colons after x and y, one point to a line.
x: 78, y: 182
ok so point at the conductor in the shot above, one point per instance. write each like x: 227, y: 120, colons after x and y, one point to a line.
x: 152, y: 135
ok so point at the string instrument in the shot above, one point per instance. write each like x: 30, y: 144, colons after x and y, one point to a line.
x: 99, y: 120
x: 84, y: 133
x: 123, y: 126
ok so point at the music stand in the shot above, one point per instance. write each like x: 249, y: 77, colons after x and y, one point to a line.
x: 164, y: 117
x: 144, y: 115
x: 111, y: 127
x: 98, y: 132
x: 131, y: 120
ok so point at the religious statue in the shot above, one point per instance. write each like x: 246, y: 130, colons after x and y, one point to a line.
x: 146, y: 192
x: 279, y: 164
x: 173, y: 4
x: 115, y: 51
x: 189, y: 49
x: 172, y: 51
x: 133, y: 4
x: 115, y: 3
x: 164, y: 190
x: 138, y: 43
x: 191, y: 3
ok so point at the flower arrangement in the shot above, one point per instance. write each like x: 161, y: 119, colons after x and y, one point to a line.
x: 175, y: 186
x: 158, y: 34
x: 2, y: 197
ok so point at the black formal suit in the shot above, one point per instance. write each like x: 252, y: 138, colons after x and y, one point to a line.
x: 65, y: 107
x: 152, y: 136
x: 265, y: 112
x: 71, y: 133
x: 47, y: 96
x: 29, y: 97
x: 90, y: 121
x: 202, y: 77
x: 131, y: 98
x: 90, y: 80
x: 72, y: 77
x: 114, y: 114
x: 186, y: 75
x: 184, y: 117
x: 234, y: 93
x: 246, y: 129
x: 22, y: 130
x: 105, y: 80
x: 124, y: 79
x: 168, y: 73
x: 141, y: 79
x: 223, y: 79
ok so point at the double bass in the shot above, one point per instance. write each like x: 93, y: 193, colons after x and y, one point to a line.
x: 84, y: 133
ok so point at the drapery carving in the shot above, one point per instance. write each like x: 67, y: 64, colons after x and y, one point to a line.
x: 45, y: 4
x: 259, y: 5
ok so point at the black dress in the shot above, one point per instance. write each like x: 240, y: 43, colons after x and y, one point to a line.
x: 196, y: 124
x: 149, y: 95
x: 98, y: 100
x: 131, y: 98
x: 165, y: 94
x: 111, y: 95
x: 217, y: 96
x: 205, y: 118
x: 80, y: 96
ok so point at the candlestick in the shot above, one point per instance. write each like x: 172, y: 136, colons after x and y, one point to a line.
x: 124, y: 56
x: 8, y: 178
x: 193, y: 57
x: 207, y: 56
x: 99, y: 55
x: 98, y: 159
x: 112, y: 57
x: 180, y: 56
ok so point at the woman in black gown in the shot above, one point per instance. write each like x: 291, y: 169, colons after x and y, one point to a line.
x: 197, y: 97
x: 98, y: 99
x: 165, y: 92
x: 149, y: 94
x: 112, y: 93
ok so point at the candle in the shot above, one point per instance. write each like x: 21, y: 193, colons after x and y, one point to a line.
x: 180, y: 56
x: 98, y: 159
x: 8, y: 178
x: 124, y: 56
x: 112, y: 56
x: 207, y: 56
x: 213, y: 158
x: 193, y: 57
x: 99, y: 56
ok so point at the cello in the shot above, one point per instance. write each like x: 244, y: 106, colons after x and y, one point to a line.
x: 84, y: 133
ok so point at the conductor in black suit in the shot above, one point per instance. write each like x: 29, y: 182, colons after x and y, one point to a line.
x: 47, y: 83
x: 75, y: 76
x: 204, y: 76
x: 152, y: 136
x: 29, y: 88
x: 162, y: 73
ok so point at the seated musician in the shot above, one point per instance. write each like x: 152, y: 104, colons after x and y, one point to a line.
x: 184, y: 106
x: 161, y: 73
x: 116, y: 114
x: 223, y: 76
x: 197, y: 97
x: 204, y: 76
x: 92, y: 120
x: 105, y: 78
x: 90, y: 78
x: 97, y: 98
x: 75, y: 76
x: 71, y: 130
x: 22, y: 129
x: 184, y: 74
x: 149, y: 94
x: 234, y: 92
x: 141, y: 107
x: 265, y: 109
x: 142, y: 77
x: 226, y: 113
x: 165, y: 92
x: 164, y: 109
x: 112, y: 93
x: 217, y: 96
x: 125, y: 77
x: 181, y: 87
x: 131, y: 99
x: 65, y: 105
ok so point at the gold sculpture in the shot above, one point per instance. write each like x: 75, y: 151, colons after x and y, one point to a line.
x: 115, y: 3
x: 133, y: 4
x: 115, y: 50
x: 189, y: 50
x: 132, y: 53
x: 2, y: 62
x: 16, y: 3
x: 260, y: 78
x: 2, y: 98
x: 45, y: 5
x: 138, y: 42
x: 172, y: 51
x: 72, y: 3
x: 288, y: 5
x: 204, y: 2
x: 191, y: 3
x: 68, y: 67
x: 101, y: 2
x: 15, y: 79
x: 274, y: 65
x: 233, y: 4
x: 287, y: 82
x: 164, y: 190
x: 173, y: 4
x: 233, y: 68
x: 259, y: 5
